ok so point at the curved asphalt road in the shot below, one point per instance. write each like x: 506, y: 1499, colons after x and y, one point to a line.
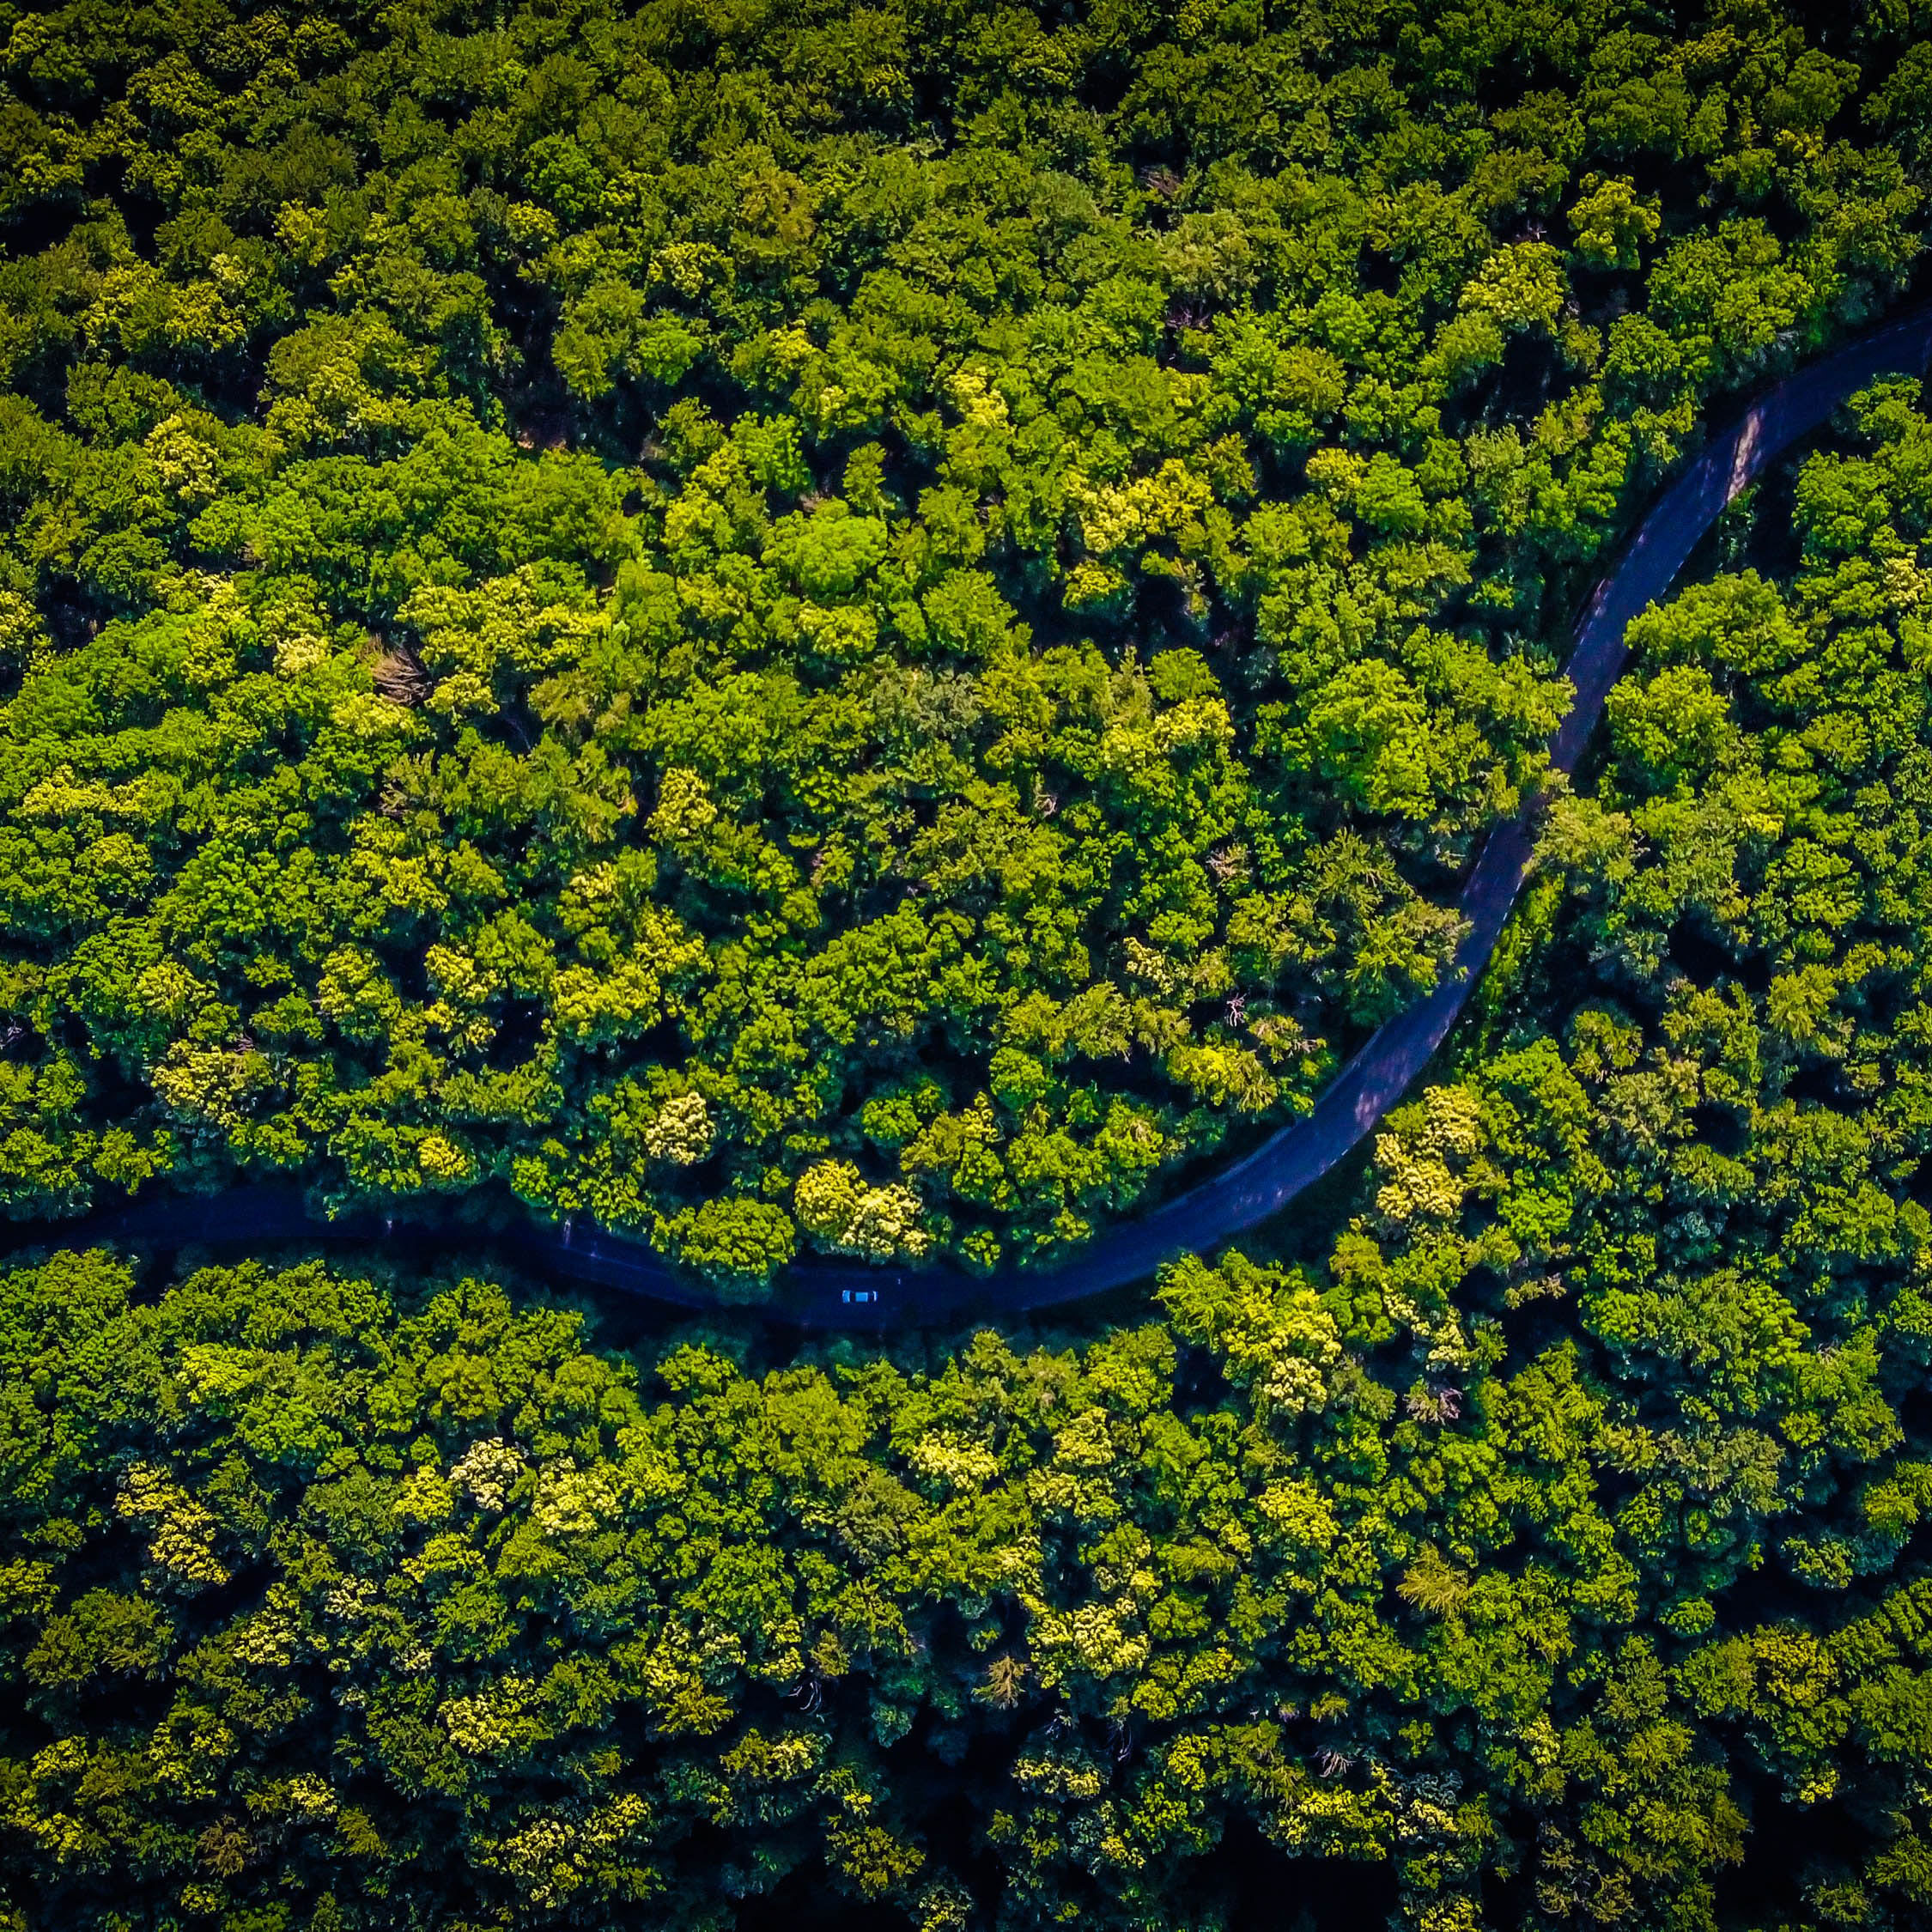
x: 816, y: 1295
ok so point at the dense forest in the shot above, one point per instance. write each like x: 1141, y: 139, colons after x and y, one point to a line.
x: 881, y: 630
x: 1547, y: 1545
x: 856, y: 628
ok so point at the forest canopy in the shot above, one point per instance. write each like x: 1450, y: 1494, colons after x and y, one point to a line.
x: 1545, y: 1549
x: 880, y: 630
x: 864, y: 630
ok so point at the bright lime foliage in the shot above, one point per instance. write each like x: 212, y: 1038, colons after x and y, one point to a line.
x: 653, y: 606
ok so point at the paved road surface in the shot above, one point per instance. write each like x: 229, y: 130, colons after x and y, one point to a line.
x: 815, y: 1295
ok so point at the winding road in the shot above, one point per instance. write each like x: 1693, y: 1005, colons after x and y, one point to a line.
x: 822, y: 1295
